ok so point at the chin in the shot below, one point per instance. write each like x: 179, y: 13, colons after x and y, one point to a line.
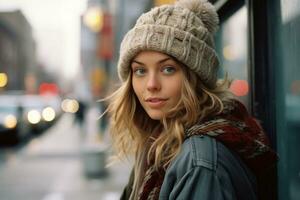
x: 155, y: 115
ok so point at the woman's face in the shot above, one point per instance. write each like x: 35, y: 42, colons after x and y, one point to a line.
x: 157, y: 80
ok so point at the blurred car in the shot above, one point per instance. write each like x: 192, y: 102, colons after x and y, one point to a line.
x: 13, y: 126
x: 23, y: 116
x: 41, y: 111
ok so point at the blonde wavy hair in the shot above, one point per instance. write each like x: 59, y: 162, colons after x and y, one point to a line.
x: 131, y: 126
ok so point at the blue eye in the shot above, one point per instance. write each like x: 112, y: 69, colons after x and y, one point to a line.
x: 169, y: 70
x: 139, y: 71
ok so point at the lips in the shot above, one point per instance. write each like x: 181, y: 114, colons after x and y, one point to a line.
x: 156, y: 102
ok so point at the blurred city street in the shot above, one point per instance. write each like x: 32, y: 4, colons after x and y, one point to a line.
x: 58, y: 58
x: 51, y: 167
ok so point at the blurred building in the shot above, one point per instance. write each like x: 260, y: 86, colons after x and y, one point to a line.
x: 17, y: 49
x: 103, y: 26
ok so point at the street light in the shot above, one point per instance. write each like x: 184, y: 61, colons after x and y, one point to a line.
x: 3, y: 79
x: 93, y: 18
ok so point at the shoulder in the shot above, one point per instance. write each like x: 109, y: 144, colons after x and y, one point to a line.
x: 208, y: 154
x: 204, y: 161
x: 196, y: 151
x: 199, y: 150
x: 205, y: 151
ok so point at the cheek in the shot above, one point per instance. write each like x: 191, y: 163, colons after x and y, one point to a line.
x: 177, y: 93
x: 175, y: 90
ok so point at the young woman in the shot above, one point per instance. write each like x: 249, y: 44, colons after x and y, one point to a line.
x: 190, y: 140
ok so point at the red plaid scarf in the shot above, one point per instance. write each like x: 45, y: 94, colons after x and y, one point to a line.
x: 236, y: 130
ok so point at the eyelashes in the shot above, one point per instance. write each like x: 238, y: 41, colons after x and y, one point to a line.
x: 165, y: 70
x: 168, y: 70
x: 139, y: 71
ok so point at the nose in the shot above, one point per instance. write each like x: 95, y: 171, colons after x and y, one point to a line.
x: 153, y: 83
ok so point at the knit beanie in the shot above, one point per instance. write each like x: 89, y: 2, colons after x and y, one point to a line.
x: 183, y: 30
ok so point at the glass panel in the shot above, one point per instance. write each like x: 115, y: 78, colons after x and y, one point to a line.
x: 285, y: 29
x: 232, y: 46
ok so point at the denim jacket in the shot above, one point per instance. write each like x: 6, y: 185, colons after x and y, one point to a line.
x: 207, y: 170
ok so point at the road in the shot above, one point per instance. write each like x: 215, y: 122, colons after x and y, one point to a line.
x: 52, y: 167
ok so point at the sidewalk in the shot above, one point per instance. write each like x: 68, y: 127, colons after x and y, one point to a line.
x: 51, y: 168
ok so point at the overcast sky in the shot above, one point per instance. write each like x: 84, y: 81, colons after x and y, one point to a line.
x: 56, y: 28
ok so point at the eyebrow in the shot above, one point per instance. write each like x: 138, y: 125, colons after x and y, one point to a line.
x: 161, y: 61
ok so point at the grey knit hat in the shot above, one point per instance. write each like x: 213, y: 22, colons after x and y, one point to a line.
x: 183, y: 30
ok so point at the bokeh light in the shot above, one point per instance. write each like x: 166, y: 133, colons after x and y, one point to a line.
x: 34, y: 116
x: 229, y: 53
x: 239, y: 88
x: 48, y: 114
x: 10, y: 121
x: 93, y: 19
x: 70, y: 105
x: 3, y: 79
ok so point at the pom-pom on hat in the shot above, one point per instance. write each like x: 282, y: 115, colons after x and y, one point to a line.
x: 183, y: 30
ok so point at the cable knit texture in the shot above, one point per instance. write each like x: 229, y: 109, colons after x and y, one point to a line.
x: 183, y: 30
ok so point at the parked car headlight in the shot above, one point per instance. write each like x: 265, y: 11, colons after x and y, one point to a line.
x: 10, y: 121
x: 34, y: 116
x: 48, y: 114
